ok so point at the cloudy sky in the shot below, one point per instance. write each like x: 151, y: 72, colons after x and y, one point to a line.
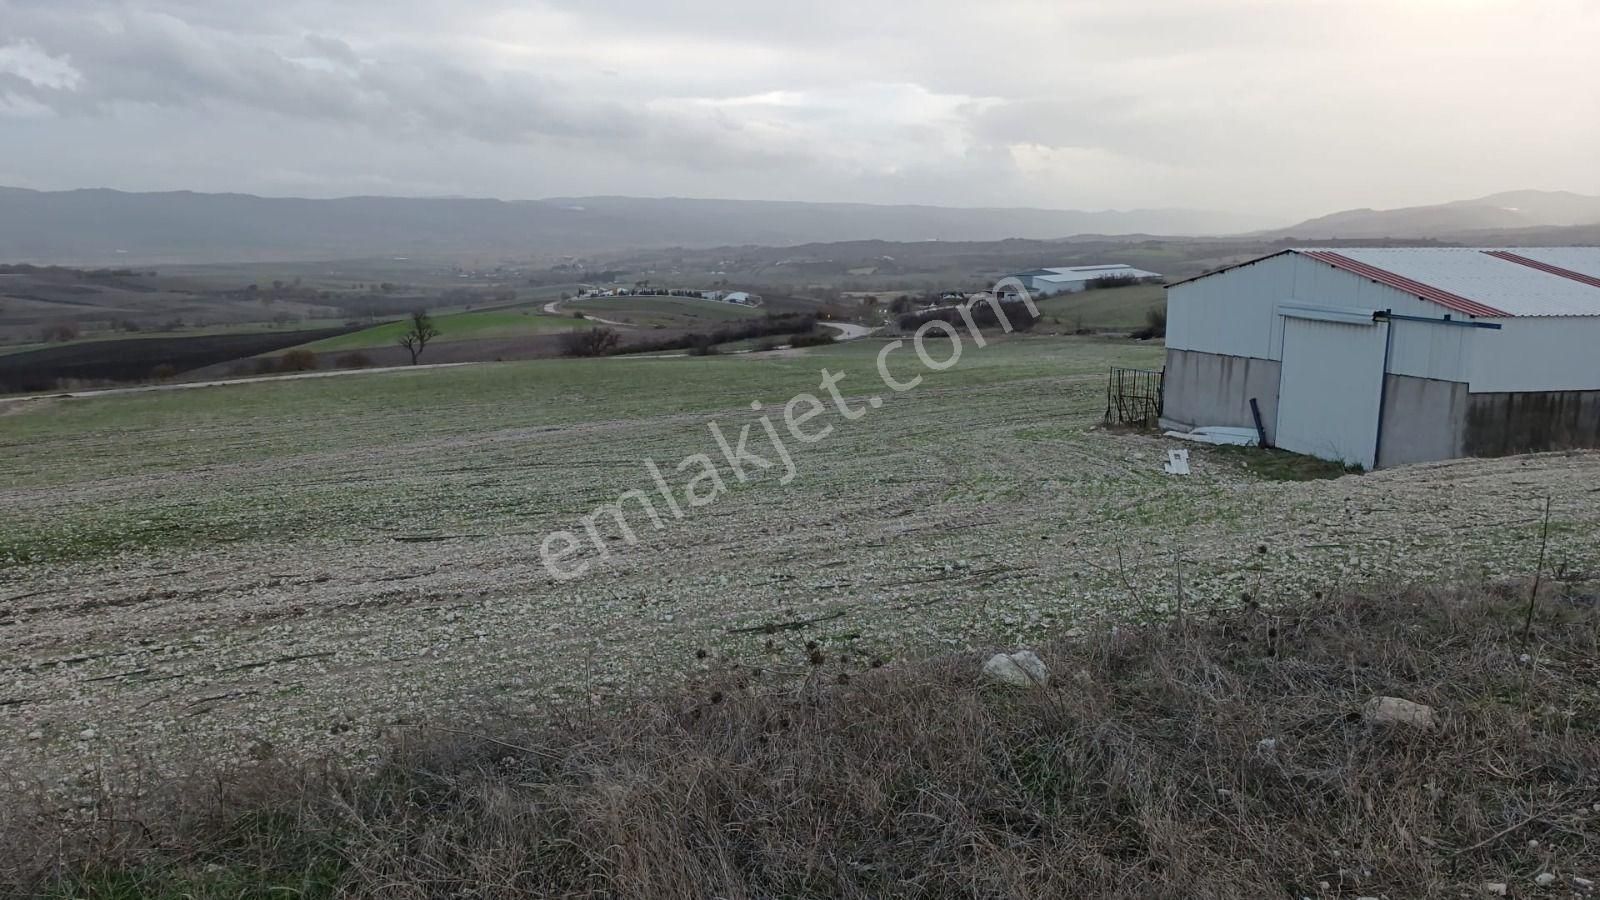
x: 1280, y: 107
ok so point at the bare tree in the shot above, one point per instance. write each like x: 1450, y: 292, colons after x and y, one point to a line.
x: 422, y: 331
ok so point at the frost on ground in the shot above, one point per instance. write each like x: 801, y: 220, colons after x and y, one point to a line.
x: 293, y: 569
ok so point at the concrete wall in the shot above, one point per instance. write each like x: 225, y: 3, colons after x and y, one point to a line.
x: 1499, y: 424
x: 1423, y: 420
x: 1212, y: 389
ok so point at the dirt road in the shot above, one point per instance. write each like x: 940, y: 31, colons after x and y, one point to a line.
x: 554, y: 309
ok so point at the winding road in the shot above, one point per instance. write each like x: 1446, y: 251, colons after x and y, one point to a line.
x: 554, y: 309
x: 848, y: 331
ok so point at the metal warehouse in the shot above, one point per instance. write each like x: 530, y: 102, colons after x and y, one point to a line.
x: 1380, y: 357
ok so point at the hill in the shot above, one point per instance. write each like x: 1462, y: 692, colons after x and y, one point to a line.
x: 99, y: 226
x: 1507, y: 211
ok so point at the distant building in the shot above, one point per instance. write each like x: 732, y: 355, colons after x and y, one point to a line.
x: 1384, y: 356
x: 1071, y: 279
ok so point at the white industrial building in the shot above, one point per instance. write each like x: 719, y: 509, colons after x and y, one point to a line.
x: 1379, y: 357
x: 1071, y: 279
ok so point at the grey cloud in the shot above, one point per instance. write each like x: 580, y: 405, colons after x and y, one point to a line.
x: 1297, y: 107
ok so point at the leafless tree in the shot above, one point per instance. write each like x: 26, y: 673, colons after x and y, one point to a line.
x: 416, y: 338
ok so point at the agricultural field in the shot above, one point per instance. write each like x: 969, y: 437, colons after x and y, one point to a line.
x: 461, y: 326
x: 291, y: 568
x: 663, y: 312
x: 1110, y: 309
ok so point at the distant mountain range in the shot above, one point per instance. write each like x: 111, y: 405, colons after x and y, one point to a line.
x: 101, y: 226
x: 1460, y: 220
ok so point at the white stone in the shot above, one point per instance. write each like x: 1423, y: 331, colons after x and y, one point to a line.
x: 1495, y: 888
x: 1544, y: 879
x: 1020, y: 669
x: 87, y: 734
x: 1396, y: 711
x: 1582, y: 884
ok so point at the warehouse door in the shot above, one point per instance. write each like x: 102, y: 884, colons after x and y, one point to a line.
x: 1331, y: 388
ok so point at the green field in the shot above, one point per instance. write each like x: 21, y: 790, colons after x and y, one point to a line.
x: 463, y: 326
x: 370, y: 543
x: 664, y: 312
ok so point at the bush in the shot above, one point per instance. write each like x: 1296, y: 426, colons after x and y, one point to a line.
x: 266, y: 365
x: 816, y: 339
x: 60, y: 332
x: 353, y: 360
x: 1110, y: 281
x: 1155, y: 326
x: 590, y: 342
x: 164, y: 372
x: 298, y: 361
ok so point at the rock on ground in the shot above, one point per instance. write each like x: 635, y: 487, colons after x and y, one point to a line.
x: 1397, y: 711
x: 1021, y: 669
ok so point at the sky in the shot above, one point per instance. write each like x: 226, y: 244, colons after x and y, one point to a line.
x: 1279, y: 108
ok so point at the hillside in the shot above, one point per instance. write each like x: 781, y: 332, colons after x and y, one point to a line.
x: 99, y: 226
x: 1507, y: 211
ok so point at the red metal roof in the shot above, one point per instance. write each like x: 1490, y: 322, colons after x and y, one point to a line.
x: 1508, y: 256
x: 1427, y: 292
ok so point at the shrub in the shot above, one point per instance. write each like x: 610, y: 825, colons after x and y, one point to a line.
x: 1155, y: 326
x: 164, y: 372
x: 1110, y: 281
x: 60, y: 332
x: 298, y: 361
x: 353, y: 360
x: 590, y: 342
x: 816, y: 339
x: 266, y: 365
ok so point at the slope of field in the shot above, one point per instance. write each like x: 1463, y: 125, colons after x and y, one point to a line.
x: 304, y: 565
x: 1113, y: 309
x: 464, y: 326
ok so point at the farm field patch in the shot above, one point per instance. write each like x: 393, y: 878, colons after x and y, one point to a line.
x: 664, y: 312
x: 302, y: 565
x: 462, y: 326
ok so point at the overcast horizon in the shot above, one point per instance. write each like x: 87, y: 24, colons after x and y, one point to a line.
x: 1271, y: 109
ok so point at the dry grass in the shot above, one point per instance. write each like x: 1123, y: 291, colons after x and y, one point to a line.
x: 1138, y: 772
